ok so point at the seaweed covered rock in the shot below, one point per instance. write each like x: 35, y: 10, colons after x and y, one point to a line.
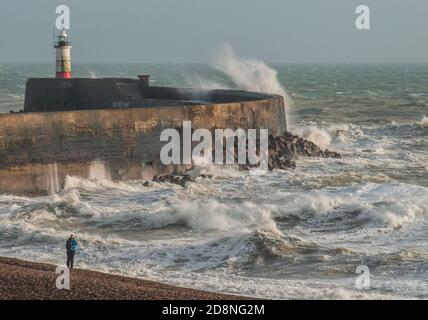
x: 302, y: 147
x: 283, y: 151
x: 179, y: 179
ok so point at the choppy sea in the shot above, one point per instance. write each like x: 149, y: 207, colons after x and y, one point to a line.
x: 294, y: 234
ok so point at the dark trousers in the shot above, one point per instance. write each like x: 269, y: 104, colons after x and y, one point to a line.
x: 70, y: 259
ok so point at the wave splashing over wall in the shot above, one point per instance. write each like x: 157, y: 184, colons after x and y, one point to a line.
x: 294, y: 233
x: 248, y: 74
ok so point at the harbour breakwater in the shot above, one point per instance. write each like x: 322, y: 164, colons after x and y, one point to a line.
x: 39, y: 149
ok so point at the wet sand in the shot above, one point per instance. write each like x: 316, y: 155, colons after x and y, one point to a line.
x: 24, y: 280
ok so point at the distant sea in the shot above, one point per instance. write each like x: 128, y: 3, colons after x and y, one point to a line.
x: 298, y: 233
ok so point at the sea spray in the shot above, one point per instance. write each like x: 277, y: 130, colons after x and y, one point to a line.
x: 314, y: 134
x: 370, y: 206
x: 423, y: 122
x: 53, y: 180
x: 251, y: 74
x: 99, y: 171
x: 247, y: 74
x: 211, y: 215
x: 196, y: 81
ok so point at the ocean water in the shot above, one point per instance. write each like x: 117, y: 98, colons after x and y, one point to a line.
x: 295, y: 234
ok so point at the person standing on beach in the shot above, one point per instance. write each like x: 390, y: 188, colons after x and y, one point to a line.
x: 70, y: 246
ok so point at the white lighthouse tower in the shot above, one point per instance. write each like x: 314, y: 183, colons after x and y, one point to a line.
x: 63, y: 57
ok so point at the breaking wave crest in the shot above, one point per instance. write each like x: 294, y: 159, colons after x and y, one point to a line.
x: 297, y: 233
x: 423, y: 122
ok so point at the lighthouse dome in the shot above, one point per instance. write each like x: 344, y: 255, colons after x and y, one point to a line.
x: 62, y: 40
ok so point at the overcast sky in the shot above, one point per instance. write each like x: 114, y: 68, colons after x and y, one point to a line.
x: 193, y: 30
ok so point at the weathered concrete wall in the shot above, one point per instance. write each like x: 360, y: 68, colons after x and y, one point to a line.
x: 39, y: 149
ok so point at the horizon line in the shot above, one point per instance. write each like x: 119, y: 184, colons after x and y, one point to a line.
x: 208, y: 63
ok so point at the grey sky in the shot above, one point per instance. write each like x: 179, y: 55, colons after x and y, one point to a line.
x: 192, y: 30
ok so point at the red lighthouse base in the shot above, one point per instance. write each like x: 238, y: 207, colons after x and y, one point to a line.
x: 63, y: 75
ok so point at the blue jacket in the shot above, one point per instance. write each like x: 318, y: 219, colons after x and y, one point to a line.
x: 71, y: 245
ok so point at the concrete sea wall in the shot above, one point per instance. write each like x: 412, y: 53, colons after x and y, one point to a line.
x: 39, y: 149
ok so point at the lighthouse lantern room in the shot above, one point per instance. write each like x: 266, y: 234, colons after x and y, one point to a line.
x: 63, y: 57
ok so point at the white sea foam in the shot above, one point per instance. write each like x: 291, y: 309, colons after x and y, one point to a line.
x: 73, y: 182
x: 314, y: 134
x: 214, y: 215
x: 98, y: 170
x: 15, y: 96
x: 314, y: 203
x: 248, y: 74
x: 338, y: 135
x: 287, y: 234
x: 393, y: 205
x: 218, y: 171
x: 423, y: 122
x: 403, y: 205
x: 240, y: 234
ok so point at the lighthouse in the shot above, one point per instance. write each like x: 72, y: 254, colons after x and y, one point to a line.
x: 63, y: 57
